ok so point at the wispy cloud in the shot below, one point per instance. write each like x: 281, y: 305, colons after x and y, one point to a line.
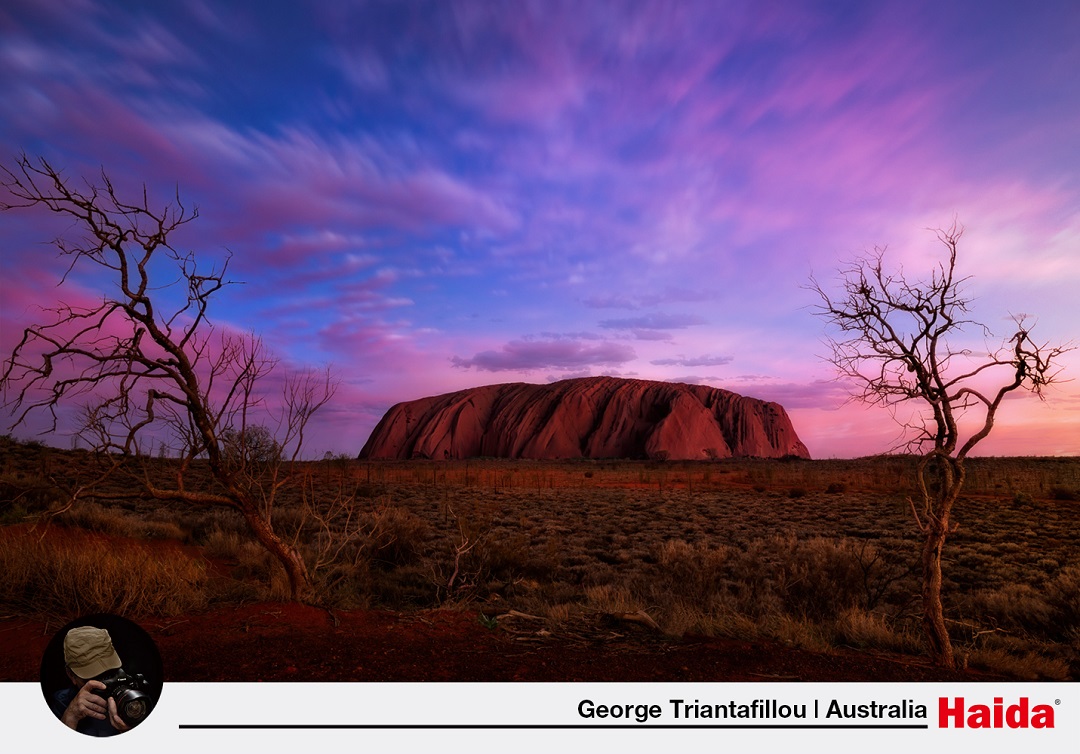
x: 532, y: 355
x: 694, y: 361
x: 654, y: 322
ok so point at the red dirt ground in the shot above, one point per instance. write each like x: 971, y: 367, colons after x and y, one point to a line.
x: 290, y: 642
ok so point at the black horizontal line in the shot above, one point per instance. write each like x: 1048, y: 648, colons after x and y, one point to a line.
x: 569, y: 726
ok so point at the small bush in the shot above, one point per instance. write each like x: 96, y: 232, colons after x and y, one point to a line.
x: 801, y: 633
x: 1014, y: 606
x: 695, y: 574
x: 396, y: 535
x: 820, y: 578
x: 1022, y: 500
x: 14, y: 513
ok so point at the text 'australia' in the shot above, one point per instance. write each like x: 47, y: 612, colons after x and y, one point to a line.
x: 907, y: 709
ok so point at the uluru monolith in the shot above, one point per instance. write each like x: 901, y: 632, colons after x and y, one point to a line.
x: 590, y: 417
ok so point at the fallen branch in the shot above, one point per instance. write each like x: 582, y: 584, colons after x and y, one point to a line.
x: 639, y: 617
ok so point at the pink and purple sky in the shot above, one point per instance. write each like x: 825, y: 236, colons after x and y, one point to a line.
x: 430, y: 196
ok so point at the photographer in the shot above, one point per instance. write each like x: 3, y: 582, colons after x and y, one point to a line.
x: 88, y: 653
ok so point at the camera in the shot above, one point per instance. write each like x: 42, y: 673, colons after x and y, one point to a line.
x: 131, y: 692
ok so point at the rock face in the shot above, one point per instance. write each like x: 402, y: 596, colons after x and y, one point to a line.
x: 593, y: 417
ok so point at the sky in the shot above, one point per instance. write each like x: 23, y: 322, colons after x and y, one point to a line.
x: 430, y: 196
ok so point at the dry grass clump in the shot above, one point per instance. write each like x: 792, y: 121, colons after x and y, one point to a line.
x: 1022, y: 664
x: 872, y: 630
x: 695, y: 572
x: 395, y: 535
x: 1048, y: 612
x: 821, y: 577
x: 224, y: 543
x: 608, y: 598
x: 93, y: 516
x: 43, y: 576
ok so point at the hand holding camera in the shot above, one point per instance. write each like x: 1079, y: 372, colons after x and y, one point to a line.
x: 126, y: 695
x: 87, y: 703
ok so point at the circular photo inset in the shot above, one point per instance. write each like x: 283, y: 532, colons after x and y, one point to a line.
x: 101, y: 675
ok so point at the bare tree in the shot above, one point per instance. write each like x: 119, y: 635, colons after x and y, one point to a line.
x: 147, y: 361
x: 892, y: 341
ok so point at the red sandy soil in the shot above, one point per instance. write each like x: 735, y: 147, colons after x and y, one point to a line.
x: 291, y: 642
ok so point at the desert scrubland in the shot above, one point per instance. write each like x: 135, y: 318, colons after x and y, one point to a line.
x: 818, y: 555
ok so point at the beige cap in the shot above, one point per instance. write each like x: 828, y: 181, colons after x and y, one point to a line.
x: 89, y: 652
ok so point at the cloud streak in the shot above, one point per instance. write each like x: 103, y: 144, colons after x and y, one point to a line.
x: 694, y: 361
x: 532, y: 355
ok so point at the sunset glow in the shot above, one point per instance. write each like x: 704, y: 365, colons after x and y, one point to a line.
x: 434, y: 196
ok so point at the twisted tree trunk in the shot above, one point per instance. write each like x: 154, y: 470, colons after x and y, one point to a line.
x: 933, y: 618
x: 300, y: 585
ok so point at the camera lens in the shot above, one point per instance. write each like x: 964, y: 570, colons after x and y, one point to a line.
x: 135, y: 710
x: 133, y: 706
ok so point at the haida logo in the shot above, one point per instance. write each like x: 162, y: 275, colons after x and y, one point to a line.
x: 954, y: 713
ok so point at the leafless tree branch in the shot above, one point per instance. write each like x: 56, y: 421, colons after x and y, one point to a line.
x: 148, y: 359
x: 893, y: 338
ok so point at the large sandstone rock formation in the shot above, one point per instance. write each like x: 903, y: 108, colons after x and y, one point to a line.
x: 593, y: 417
